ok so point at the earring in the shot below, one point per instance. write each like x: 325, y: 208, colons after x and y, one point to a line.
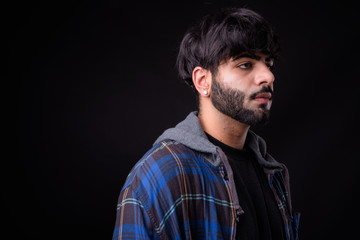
x: 205, y: 92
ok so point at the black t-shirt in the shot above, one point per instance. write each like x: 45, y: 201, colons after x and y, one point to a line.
x: 261, y: 219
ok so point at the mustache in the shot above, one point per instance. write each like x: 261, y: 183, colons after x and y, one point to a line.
x: 264, y: 89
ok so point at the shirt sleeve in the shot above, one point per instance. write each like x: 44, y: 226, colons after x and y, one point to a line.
x: 132, y: 220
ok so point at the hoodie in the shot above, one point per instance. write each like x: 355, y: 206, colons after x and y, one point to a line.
x: 184, y: 188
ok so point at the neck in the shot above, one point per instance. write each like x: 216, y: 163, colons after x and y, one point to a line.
x: 223, y: 128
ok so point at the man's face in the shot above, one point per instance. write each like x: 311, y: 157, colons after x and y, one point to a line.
x: 243, y: 88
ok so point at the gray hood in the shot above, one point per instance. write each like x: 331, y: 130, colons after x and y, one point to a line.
x: 190, y: 134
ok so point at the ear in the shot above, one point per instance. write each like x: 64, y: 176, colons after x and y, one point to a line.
x: 202, y: 80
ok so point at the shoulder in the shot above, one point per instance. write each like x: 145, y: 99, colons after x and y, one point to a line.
x: 162, y: 173
x: 160, y: 164
x: 164, y: 153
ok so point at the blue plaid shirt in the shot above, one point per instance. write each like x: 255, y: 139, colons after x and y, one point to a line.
x: 174, y: 192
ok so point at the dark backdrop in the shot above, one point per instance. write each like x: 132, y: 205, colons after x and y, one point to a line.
x: 95, y: 84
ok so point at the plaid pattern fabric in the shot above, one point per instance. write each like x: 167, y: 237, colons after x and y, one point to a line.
x: 173, y: 193
x: 279, y: 183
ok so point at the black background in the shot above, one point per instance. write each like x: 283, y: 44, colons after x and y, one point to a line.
x: 94, y: 84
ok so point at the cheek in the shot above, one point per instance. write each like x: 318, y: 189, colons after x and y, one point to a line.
x: 233, y: 82
x: 239, y: 81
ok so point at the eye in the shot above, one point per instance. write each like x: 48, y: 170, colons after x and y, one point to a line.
x: 246, y: 65
x: 270, y: 63
x: 270, y: 66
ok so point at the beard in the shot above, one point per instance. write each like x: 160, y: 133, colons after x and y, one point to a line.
x: 231, y: 103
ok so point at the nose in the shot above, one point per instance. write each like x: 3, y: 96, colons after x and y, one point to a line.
x: 264, y: 76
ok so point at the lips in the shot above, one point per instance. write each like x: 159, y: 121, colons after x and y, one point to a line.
x: 264, y: 95
x: 263, y: 98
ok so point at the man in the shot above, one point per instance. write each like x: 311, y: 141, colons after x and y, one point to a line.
x: 210, y: 177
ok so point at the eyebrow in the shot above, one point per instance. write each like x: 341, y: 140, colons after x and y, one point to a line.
x: 246, y: 55
x: 252, y: 56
